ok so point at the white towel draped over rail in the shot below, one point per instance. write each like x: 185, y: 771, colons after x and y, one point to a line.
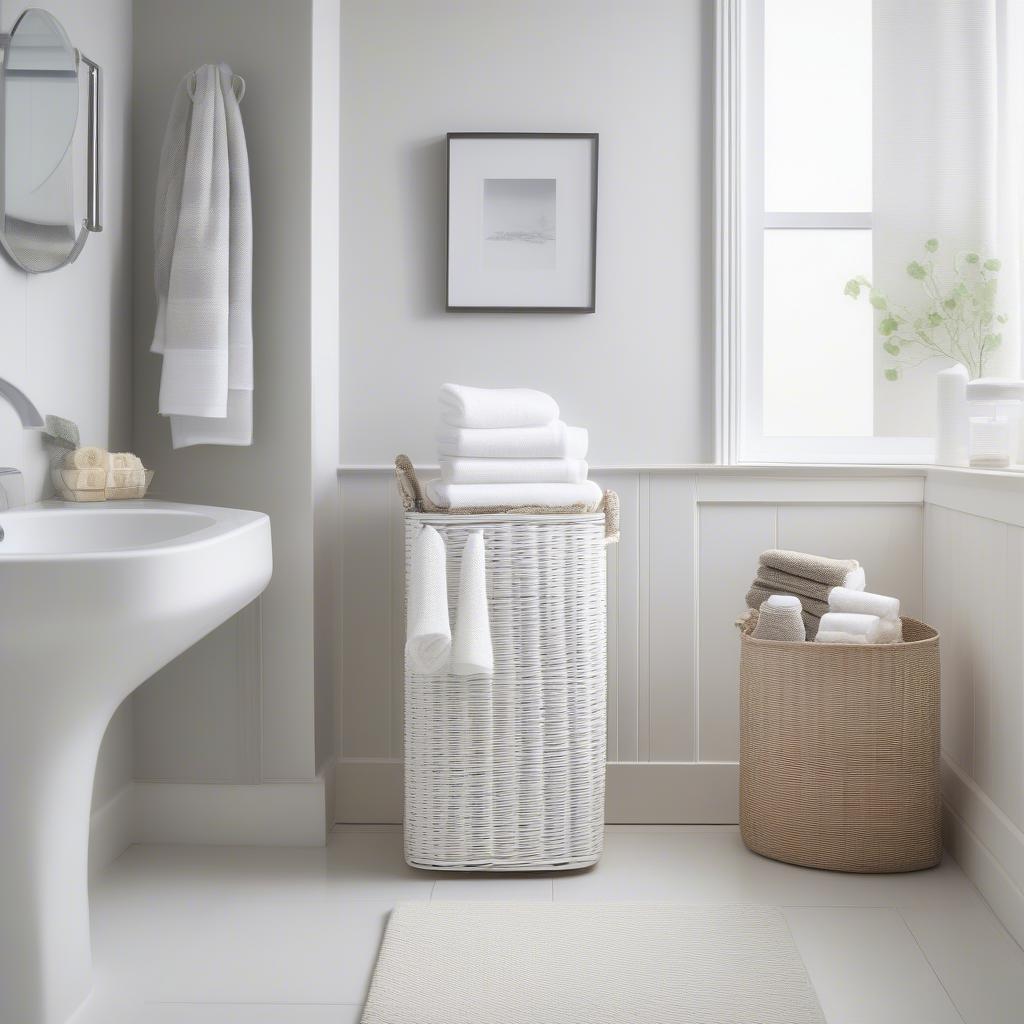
x: 203, y: 264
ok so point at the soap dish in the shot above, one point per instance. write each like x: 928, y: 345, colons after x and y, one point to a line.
x: 90, y: 485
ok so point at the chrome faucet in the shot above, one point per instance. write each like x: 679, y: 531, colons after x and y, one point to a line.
x: 12, y: 486
x: 26, y: 411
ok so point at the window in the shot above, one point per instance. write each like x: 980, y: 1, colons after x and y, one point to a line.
x: 801, y: 373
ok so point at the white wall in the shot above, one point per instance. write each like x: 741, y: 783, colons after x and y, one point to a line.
x: 240, y: 706
x: 66, y: 336
x: 638, y: 371
x: 676, y: 582
x: 974, y: 596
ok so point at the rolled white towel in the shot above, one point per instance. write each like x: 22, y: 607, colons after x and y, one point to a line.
x: 865, y: 629
x: 551, y: 441
x: 509, y: 471
x: 842, y: 599
x: 472, y: 650
x: 463, y: 406
x: 428, y: 633
x: 512, y: 495
x: 890, y: 632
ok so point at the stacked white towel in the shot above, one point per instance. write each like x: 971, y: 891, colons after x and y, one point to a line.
x: 859, y: 617
x: 507, y: 447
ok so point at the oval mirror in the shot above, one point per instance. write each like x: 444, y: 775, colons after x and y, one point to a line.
x: 40, y: 112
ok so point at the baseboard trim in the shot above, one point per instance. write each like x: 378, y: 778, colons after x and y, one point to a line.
x: 111, y: 829
x: 269, y: 814
x: 370, y: 791
x: 987, y: 846
x: 670, y: 793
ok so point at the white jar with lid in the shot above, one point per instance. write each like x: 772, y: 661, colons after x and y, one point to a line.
x: 994, y: 407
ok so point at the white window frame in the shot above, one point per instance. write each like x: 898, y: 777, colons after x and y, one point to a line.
x: 740, y: 222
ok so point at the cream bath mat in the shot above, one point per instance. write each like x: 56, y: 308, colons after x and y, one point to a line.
x: 608, y: 963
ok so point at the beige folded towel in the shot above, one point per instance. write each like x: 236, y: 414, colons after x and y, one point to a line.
x: 832, y: 572
x: 88, y: 457
x: 784, y: 582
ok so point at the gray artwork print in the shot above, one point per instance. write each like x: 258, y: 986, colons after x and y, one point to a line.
x: 519, y: 223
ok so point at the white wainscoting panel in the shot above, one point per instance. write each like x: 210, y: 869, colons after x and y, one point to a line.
x: 676, y: 584
x: 730, y: 537
x: 974, y: 595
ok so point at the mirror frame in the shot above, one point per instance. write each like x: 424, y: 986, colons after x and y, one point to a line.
x: 93, y: 218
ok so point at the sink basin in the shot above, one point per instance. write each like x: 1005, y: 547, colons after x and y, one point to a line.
x: 93, y: 600
x: 91, y: 531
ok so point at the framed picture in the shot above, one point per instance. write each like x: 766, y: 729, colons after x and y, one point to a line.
x: 522, y: 222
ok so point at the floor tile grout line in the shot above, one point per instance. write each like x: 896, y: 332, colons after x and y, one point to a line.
x: 931, y: 966
x: 240, y: 1002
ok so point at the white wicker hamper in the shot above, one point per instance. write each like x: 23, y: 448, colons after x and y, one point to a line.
x: 506, y: 772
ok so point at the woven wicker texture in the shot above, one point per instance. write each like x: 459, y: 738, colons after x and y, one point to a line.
x: 414, y: 499
x: 505, y: 772
x: 839, y: 752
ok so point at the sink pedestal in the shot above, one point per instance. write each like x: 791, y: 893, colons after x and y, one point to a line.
x: 92, y: 602
x: 48, y: 768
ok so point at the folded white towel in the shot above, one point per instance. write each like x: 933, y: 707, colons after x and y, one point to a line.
x: 203, y: 265
x: 512, y: 495
x: 463, y: 406
x: 842, y: 599
x: 834, y: 636
x: 890, y: 632
x: 552, y: 441
x: 428, y: 633
x: 849, y: 624
x: 472, y: 651
x: 513, y: 471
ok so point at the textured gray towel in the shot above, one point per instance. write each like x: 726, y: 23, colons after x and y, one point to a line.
x: 784, y: 582
x: 779, y: 624
x: 830, y: 571
x: 756, y: 596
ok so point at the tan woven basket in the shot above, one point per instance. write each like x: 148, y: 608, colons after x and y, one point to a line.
x: 839, y: 752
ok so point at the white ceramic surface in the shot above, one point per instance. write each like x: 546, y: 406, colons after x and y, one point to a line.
x: 93, y: 600
x: 249, y: 935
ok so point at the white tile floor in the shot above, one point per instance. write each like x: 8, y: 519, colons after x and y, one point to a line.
x: 214, y: 935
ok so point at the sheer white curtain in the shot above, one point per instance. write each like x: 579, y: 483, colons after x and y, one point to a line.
x: 947, y: 148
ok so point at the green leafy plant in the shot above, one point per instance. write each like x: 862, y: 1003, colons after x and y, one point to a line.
x: 957, y: 321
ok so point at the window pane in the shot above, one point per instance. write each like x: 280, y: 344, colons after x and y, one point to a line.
x: 817, y: 72
x: 817, y: 341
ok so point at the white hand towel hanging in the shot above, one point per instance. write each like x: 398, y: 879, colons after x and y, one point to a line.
x: 472, y: 650
x: 203, y: 265
x: 428, y: 633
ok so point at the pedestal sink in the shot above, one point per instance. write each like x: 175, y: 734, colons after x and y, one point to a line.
x: 93, y: 600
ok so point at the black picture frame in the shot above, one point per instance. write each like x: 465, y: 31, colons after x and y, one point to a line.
x: 592, y: 305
